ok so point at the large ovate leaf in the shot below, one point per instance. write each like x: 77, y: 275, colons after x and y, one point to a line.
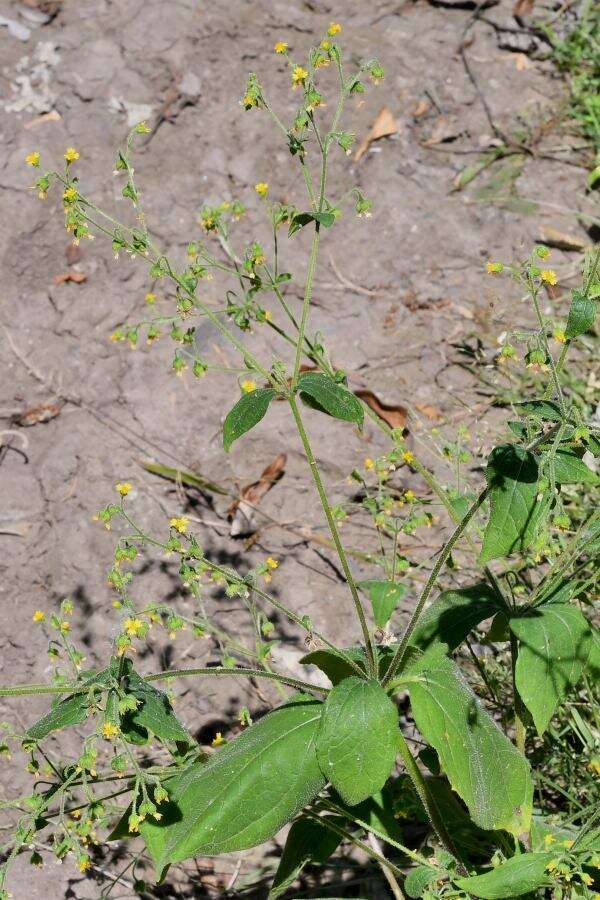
x: 482, y: 765
x: 420, y: 878
x: 570, y: 469
x: 452, y: 615
x: 245, y: 793
x: 512, y: 477
x: 541, y: 409
x: 246, y: 413
x: 385, y: 597
x: 554, y: 645
x: 582, y: 314
x: 323, y: 393
x: 517, y: 876
x: 335, y: 665
x: 308, y: 841
x: 357, y: 739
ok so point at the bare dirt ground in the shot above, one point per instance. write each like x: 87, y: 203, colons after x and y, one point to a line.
x: 395, y: 297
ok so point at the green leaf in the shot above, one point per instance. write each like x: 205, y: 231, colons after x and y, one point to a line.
x: 71, y: 710
x: 554, y: 645
x: 541, y: 409
x: 385, y: 597
x: 570, y: 469
x: 307, y: 842
x: 333, y: 664
x: 245, y: 793
x: 419, y: 878
x: 512, y: 476
x: 513, y: 878
x: 299, y: 220
x: 153, y: 716
x: 482, y: 765
x: 330, y: 397
x: 357, y: 739
x: 582, y: 314
x: 246, y: 413
x: 452, y: 615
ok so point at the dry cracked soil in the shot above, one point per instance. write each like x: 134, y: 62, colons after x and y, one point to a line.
x: 401, y: 298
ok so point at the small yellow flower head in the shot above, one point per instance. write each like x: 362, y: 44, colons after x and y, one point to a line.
x: 133, y: 627
x: 150, y: 298
x: 218, y: 739
x: 542, y: 252
x: 70, y: 195
x: 334, y: 29
x: 408, y: 457
x: 85, y: 864
x: 549, y: 276
x: 123, y: 488
x: 549, y: 839
x: 299, y: 76
x: 271, y: 563
x: 568, y: 844
x: 326, y: 45
x: 33, y: 159
x: 493, y: 268
x: 262, y: 188
x: 179, y: 524
x: 369, y: 463
x: 71, y: 154
x: 38, y: 616
x: 559, y: 336
x: 110, y: 731
x: 410, y: 496
x: 65, y: 627
x: 248, y: 386
x: 552, y: 865
x: 280, y: 47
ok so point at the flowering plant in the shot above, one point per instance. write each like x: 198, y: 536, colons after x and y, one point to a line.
x: 325, y: 759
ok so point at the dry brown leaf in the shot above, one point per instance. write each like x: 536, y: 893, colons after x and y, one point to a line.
x: 523, y: 7
x: 463, y: 311
x: 432, y: 412
x: 421, y: 108
x: 396, y: 416
x: 37, y: 414
x: 52, y: 116
x: 242, y: 512
x: 75, y: 277
x: 444, y: 131
x: 522, y: 62
x: 383, y: 126
x: 554, y: 238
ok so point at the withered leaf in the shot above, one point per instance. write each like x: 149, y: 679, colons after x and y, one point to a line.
x: 523, y: 7
x: 432, y: 412
x: 395, y: 415
x: 75, y: 277
x: 242, y: 510
x: 35, y: 415
x: 383, y: 126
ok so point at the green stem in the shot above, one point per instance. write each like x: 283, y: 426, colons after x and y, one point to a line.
x: 310, y: 274
x: 368, y: 638
x: 326, y: 821
x: 427, y: 799
x: 247, y: 673
x: 520, y: 732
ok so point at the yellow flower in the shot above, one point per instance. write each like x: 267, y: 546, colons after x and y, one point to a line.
x: 271, y: 563
x: 280, y: 47
x: 85, y: 864
x: 268, y: 315
x: 334, y: 28
x: 410, y: 496
x: 594, y: 765
x: 38, y: 616
x: 218, y: 739
x: 248, y: 386
x: 150, y: 297
x: 179, y: 524
x: 549, y: 839
x: 369, y: 463
x: 262, y: 188
x: 123, y: 488
x: 65, y: 627
x: 408, y: 457
x: 568, y: 844
x: 110, y: 731
x: 299, y: 76
x: 133, y: 627
x: 33, y: 159
x: 325, y: 45
x: 549, y: 276
x: 492, y: 268
x: 559, y: 336
x: 552, y: 865
x: 70, y: 195
x: 71, y: 154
